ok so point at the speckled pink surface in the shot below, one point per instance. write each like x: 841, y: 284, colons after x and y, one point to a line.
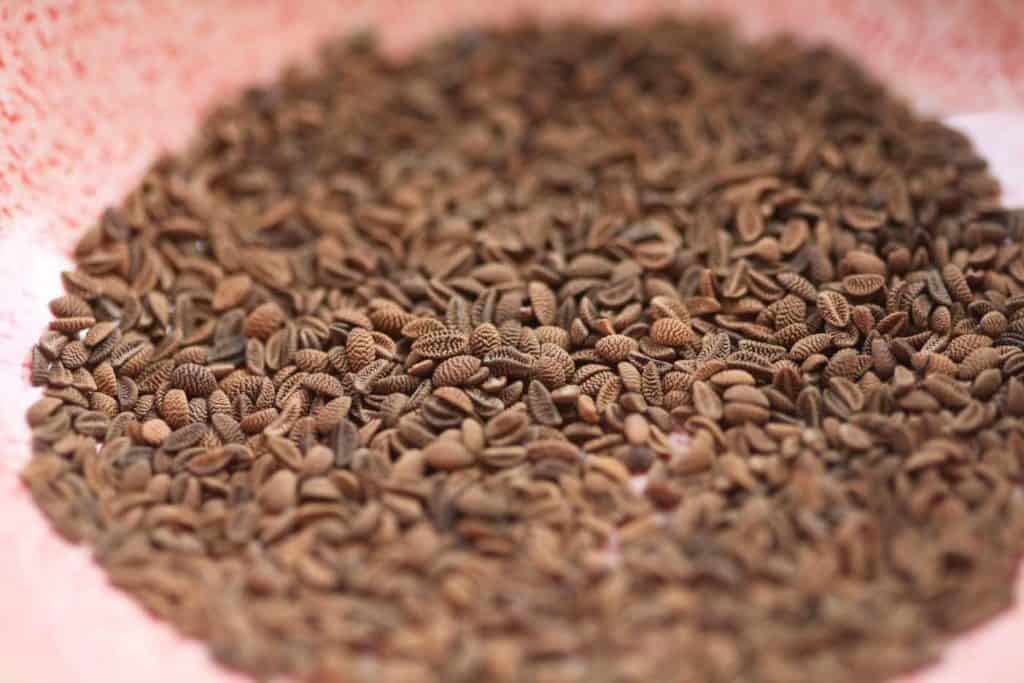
x: 91, y: 91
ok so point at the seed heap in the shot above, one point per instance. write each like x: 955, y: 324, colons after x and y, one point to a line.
x: 636, y: 355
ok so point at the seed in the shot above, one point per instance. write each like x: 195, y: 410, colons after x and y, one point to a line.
x: 544, y: 303
x: 323, y: 383
x: 447, y: 454
x: 556, y: 449
x: 72, y: 324
x: 193, y: 379
x: 706, y: 401
x: 671, y: 332
x: 231, y: 292
x: 636, y: 430
x: 979, y: 360
x: 728, y: 378
x: 184, y: 437
x: 861, y: 218
x: 360, y: 349
x: 174, y: 408
x: 155, y: 431
x: 542, y: 407
x: 957, y: 283
x: 70, y: 306
x: 456, y: 371
x: 440, y: 345
x: 987, y: 383
x: 615, y: 347
x: 503, y: 457
x: 506, y: 427
x: 863, y: 285
x: 798, y: 286
x: 834, y: 308
x: 278, y: 493
x: 855, y: 438
x: 749, y: 222
x: 963, y: 346
x: 809, y: 346
x: 263, y: 321
x: 257, y: 421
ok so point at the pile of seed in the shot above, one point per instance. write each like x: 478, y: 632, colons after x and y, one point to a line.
x: 550, y: 356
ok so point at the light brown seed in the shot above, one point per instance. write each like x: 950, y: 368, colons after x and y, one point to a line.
x: 263, y: 321
x: 441, y: 345
x: 231, y: 292
x: 671, y: 332
x: 278, y: 493
x: 542, y: 407
x: 557, y: 449
x: 456, y: 371
x: 833, y: 308
x: 543, y: 301
x: 193, y: 379
x: 448, y: 454
x: 155, y: 431
x: 615, y: 347
x: 360, y: 349
x: 863, y: 285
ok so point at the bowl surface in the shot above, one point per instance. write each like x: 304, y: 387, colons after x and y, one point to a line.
x: 91, y: 92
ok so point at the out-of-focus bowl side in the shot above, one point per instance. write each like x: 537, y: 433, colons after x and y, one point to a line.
x: 91, y: 92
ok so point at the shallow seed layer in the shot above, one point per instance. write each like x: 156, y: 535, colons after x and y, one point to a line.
x: 552, y: 356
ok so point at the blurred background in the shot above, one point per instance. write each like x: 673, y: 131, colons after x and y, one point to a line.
x: 92, y: 91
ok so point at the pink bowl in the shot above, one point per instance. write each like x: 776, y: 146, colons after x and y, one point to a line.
x: 91, y: 92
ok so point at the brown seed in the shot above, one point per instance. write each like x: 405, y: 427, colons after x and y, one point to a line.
x: 456, y: 371
x: 278, y: 493
x: 71, y: 325
x: 979, y: 360
x: 542, y: 407
x: 671, y: 332
x: 854, y: 437
x: 706, y: 401
x: 543, y: 301
x: 155, y: 431
x: 956, y: 283
x: 440, y: 345
x: 70, y: 306
x: 193, y: 379
x: 557, y: 449
x: 810, y: 345
x: 184, y: 437
x: 360, y: 349
x: 263, y: 320
x: 211, y: 461
x: 231, y: 292
x: 615, y: 347
x: 798, y: 285
x: 834, y: 308
x: 506, y: 427
x: 323, y: 383
x: 728, y: 378
x: 749, y: 222
x: 174, y: 408
x: 987, y: 383
x: 963, y: 346
x: 863, y: 285
x: 257, y: 421
x: 637, y: 430
x: 484, y: 339
x: 503, y: 457
x: 448, y: 454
